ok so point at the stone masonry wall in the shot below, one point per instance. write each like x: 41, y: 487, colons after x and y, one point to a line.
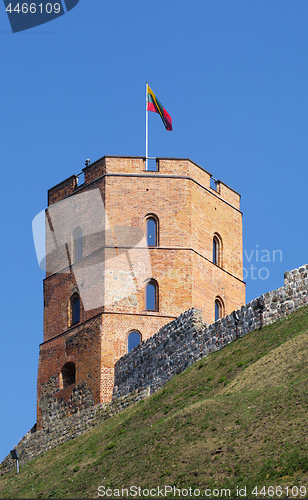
x: 36, y: 442
x: 186, y: 339
x: 56, y: 405
x: 151, y: 364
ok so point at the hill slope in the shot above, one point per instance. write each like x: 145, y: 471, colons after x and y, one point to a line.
x: 237, y: 418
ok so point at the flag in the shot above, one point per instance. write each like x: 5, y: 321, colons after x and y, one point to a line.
x: 157, y: 107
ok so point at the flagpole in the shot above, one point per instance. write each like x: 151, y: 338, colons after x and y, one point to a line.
x: 146, y: 127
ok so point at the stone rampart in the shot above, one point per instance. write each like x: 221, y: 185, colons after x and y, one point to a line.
x: 186, y: 339
x: 36, y: 442
x: 152, y: 363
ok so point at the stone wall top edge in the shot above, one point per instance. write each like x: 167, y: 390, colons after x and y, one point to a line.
x: 296, y: 270
x: 158, y: 336
x: 193, y: 312
x: 281, y: 288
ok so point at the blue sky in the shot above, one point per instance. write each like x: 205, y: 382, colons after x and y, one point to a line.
x: 232, y: 74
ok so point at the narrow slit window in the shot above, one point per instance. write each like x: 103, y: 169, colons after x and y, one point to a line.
x: 215, y: 259
x: 75, y: 306
x: 217, y: 251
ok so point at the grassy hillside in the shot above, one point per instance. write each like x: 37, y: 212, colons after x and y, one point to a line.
x: 236, y: 419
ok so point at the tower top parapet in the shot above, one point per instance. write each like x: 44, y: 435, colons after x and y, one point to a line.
x: 135, y: 166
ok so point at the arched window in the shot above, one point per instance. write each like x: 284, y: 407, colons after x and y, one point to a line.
x: 218, y: 308
x: 217, y: 250
x: 133, y: 340
x: 78, y: 244
x: 75, y: 309
x: 151, y: 296
x: 68, y: 374
x: 152, y: 231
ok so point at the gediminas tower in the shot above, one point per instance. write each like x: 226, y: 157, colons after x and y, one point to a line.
x: 194, y: 241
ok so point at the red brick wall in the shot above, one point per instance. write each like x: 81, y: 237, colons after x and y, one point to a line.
x: 58, y: 289
x: 62, y: 190
x: 80, y: 345
x: 115, y: 331
x: 190, y: 213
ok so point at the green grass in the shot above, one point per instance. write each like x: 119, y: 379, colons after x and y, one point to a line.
x: 236, y: 419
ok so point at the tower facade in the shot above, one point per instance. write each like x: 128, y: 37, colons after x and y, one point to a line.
x: 129, y: 250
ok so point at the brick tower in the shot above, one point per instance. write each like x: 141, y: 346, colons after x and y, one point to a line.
x: 185, y: 238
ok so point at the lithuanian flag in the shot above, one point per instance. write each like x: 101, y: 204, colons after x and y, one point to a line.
x: 157, y: 107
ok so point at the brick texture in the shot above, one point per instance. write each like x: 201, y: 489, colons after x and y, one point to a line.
x: 189, y: 214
